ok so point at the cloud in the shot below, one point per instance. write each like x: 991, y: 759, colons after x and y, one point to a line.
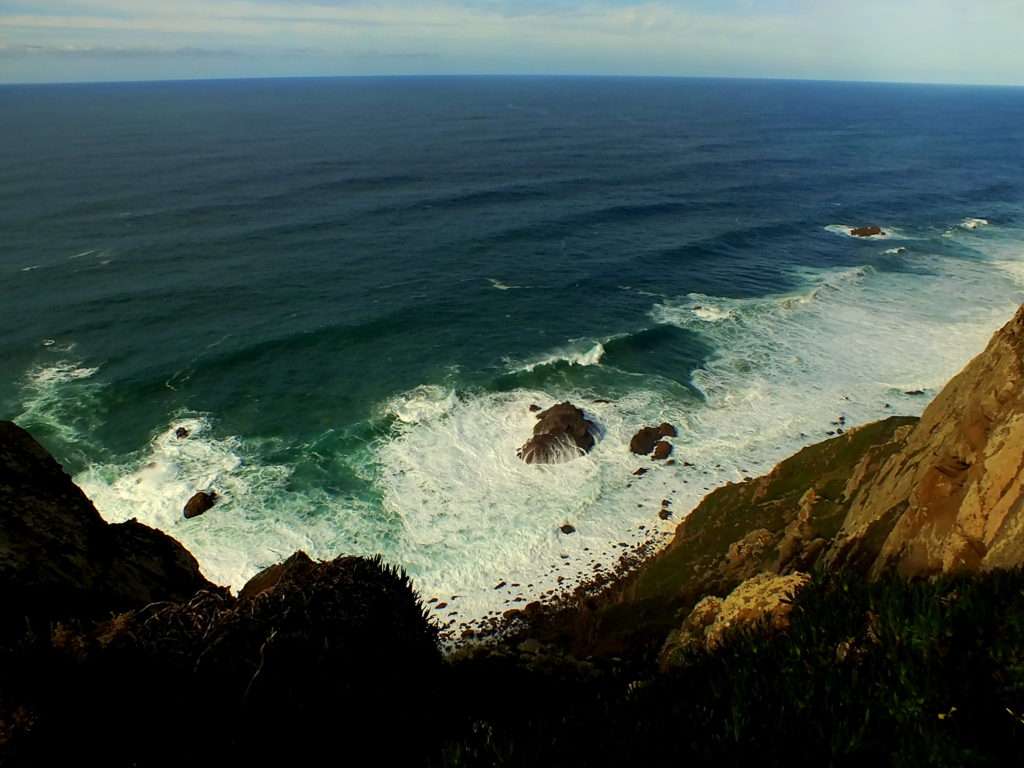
x: 112, y: 52
x: 847, y: 39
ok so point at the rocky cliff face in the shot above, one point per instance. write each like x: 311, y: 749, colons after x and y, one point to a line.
x: 952, y: 497
x: 59, y: 559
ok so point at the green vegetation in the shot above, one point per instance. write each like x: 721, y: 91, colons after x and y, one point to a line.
x: 896, y: 673
x: 654, y: 600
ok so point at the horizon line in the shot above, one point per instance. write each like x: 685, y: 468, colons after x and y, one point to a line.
x: 508, y: 75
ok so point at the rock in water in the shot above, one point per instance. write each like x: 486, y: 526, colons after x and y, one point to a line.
x: 643, y: 442
x: 562, y: 433
x: 868, y: 231
x: 181, y: 433
x: 662, y: 451
x: 200, y: 503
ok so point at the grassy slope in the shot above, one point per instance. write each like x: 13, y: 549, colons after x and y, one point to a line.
x: 639, y: 613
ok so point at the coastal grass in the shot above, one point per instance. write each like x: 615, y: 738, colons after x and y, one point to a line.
x: 893, y: 672
x: 636, y: 614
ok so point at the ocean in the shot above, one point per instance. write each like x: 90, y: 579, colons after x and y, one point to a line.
x: 350, y: 291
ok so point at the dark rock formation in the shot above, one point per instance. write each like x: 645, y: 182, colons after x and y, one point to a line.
x: 643, y: 442
x: 868, y: 231
x: 200, y: 503
x: 181, y: 433
x: 662, y: 451
x: 58, y: 558
x: 312, y: 655
x: 294, y: 569
x: 561, y: 434
x: 567, y: 529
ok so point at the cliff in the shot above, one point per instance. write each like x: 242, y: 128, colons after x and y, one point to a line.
x: 952, y: 497
x: 59, y: 559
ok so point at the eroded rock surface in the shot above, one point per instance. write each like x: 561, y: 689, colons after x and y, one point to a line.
x: 562, y: 433
x: 952, y: 499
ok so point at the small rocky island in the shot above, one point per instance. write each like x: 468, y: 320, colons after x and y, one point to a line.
x: 562, y: 433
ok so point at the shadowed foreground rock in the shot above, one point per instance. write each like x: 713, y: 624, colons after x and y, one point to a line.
x: 58, y: 558
x: 313, y: 656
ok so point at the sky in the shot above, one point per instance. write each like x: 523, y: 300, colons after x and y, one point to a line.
x: 979, y: 42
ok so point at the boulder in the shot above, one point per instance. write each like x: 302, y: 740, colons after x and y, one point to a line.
x: 200, y: 503
x: 869, y: 231
x: 643, y: 441
x: 181, y: 433
x: 662, y: 451
x: 561, y: 433
x: 764, y: 599
x: 295, y: 568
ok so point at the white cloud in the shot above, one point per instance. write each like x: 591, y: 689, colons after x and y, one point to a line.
x: 870, y: 39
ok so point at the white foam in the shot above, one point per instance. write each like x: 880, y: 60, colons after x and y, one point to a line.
x: 30, y: 268
x: 421, y: 404
x: 579, y: 353
x: 257, y: 521
x: 61, y: 399
x: 461, y: 512
x: 894, y: 251
x: 972, y: 223
x: 709, y: 313
x: 789, y: 365
x: 472, y: 514
x: 500, y: 285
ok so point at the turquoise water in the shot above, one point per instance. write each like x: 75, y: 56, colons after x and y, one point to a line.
x: 350, y: 292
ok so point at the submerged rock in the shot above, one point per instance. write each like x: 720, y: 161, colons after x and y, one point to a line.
x: 200, y: 503
x: 181, y: 433
x: 567, y: 529
x: 562, y: 433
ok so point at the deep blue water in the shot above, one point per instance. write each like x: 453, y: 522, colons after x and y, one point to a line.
x: 351, y: 289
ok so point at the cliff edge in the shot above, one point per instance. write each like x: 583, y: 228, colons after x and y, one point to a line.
x: 952, y: 498
x: 59, y: 559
